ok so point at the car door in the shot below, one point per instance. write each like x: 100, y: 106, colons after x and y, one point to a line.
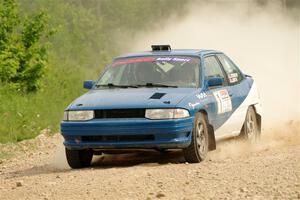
x: 220, y: 106
x: 238, y: 90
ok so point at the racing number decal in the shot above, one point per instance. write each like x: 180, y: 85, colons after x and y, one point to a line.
x: 233, y: 77
x: 223, y: 101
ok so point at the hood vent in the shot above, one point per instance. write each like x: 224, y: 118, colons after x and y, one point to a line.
x: 157, y: 95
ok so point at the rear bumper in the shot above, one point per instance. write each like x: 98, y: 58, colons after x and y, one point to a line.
x: 127, y: 133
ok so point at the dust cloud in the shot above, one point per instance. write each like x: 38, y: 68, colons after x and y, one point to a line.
x: 280, y: 136
x: 263, y: 41
x: 58, y: 159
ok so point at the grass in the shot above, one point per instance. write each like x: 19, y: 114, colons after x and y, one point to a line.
x: 23, y: 116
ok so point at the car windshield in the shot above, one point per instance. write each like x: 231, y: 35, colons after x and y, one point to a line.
x: 154, y: 71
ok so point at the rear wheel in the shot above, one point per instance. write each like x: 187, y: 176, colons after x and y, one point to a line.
x: 197, y: 150
x: 79, y: 158
x: 250, y: 129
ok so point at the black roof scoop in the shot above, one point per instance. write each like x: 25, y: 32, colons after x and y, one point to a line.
x: 161, y: 47
x: 157, y: 95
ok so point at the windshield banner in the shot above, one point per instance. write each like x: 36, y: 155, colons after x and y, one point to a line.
x: 155, y: 59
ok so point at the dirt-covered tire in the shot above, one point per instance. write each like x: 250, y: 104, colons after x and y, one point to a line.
x: 197, y: 150
x: 79, y: 158
x: 250, y: 131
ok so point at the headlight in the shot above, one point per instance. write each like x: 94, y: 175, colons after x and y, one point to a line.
x: 81, y: 115
x: 166, y: 113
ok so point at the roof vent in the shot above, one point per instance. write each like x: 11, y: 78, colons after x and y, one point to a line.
x: 161, y: 47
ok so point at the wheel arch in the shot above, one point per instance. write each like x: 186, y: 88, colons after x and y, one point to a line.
x: 258, y: 117
x: 258, y: 120
x: 211, y: 132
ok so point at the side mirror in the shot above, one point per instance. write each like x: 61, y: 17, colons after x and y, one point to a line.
x: 88, y: 84
x: 214, y: 82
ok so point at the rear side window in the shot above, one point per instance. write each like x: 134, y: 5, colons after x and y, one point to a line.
x: 233, y: 73
x: 212, y: 68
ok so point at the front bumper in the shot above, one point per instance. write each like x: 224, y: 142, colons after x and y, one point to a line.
x: 127, y: 133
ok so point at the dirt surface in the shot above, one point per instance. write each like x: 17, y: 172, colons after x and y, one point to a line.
x: 236, y: 170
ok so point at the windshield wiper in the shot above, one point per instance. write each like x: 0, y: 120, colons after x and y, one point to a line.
x: 157, y: 85
x: 111, y: 85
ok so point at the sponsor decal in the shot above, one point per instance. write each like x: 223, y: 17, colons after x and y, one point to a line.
x: 181, y: 59
x: 152, y: 59
x: 202, y: 95
x: 164, y: 59
x: 193, y: 105
x: 233, y: 77
x: 223, y: 101
x: 233, y: 80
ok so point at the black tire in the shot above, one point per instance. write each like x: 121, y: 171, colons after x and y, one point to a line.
x: 79, y: 158
x: 197, y: 150
x: 250, y: 131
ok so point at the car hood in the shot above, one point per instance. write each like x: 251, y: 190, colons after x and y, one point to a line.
x: 130, y: 98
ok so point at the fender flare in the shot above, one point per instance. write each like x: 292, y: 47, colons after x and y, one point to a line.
x: 211, y: 133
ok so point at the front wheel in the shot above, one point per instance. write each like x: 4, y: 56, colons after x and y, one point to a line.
x: 79, y: 158
x: 197, y: 150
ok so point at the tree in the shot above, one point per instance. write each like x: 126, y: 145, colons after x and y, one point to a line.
x: 23, y: 56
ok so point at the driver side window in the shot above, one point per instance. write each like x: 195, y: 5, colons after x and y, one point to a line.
x: 212, y: 68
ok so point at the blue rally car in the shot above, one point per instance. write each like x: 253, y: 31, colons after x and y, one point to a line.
x: 162, y: 99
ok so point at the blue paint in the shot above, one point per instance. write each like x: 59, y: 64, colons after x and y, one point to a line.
x: 167, y: 133
x: 172, y: 133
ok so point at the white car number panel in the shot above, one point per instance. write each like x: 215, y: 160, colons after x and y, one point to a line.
x: 223, y: 101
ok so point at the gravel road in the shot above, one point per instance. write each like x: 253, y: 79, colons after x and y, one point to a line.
x: 236, y: 170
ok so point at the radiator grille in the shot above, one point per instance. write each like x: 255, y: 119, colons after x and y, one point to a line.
x: 120, y: 113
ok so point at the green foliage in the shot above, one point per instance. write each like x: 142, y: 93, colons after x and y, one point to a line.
x: 8, y: 21
x: 88, y: 34
x: 23, y: 116
x: 23, y: 58
x: 9, y: 63
x: 91, y: 32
